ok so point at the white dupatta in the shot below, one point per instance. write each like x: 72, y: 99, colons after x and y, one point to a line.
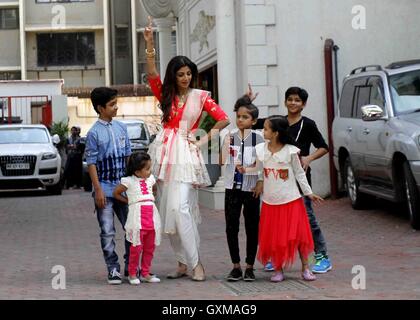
x: 177, y: 160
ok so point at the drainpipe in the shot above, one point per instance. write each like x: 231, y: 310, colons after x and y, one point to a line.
x: 329, y: 84
x: 337, y: 85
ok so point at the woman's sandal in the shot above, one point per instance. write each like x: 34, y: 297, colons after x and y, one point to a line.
x: 201, y: 277
x: 307, y: 275
x: 176, y: 274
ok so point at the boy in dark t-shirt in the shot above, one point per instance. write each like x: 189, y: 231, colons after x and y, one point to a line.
x: 305, y: 133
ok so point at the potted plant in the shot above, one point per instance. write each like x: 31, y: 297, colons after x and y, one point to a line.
x: 206, y: 123
x: 61, y: 129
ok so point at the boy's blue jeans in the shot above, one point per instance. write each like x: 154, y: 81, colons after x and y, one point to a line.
x: 318, y: 237
x: 106, y: 223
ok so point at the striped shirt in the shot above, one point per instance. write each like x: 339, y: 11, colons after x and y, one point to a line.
x: 243, y: 151
x: 107, y: 147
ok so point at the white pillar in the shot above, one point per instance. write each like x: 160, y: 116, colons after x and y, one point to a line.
x: 226, y: 64
x: 22, y: 23
x: 226, y: 56
x: 107, y: 48
x: 134, y: 41
x: 164, y: 27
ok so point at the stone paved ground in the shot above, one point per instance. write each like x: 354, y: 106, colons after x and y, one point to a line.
x: 38, y: 232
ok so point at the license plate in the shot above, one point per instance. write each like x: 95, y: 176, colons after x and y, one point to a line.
x: 17, y: 166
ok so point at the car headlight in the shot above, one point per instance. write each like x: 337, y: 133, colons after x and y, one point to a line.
x: 49, y: 156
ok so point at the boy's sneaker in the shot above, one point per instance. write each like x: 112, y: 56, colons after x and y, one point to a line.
x: 249, y: 274
x: 269, y: 267
x: 133, y: 280
x: 322, y: 266
x: 114, y: 277
x: 235, y: 275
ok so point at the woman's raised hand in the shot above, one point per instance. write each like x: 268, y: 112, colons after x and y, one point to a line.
x: 148, y: 31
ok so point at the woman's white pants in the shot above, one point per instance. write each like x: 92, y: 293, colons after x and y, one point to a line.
x: 186, y: 241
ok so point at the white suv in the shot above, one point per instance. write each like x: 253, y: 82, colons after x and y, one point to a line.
x: 29, y: 159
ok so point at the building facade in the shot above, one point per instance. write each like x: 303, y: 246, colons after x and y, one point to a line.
x: 87, y: 43
x: 272, y: 44
x: 275, y: 44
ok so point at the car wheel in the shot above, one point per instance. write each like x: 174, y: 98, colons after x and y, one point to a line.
x: 412, y: 196
x: 56, y: 189
x: 358, y: 199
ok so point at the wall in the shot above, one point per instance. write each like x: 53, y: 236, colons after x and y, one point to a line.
x: 10, y: 53
x: 301, y: 28
x: 32, y: 91
x: 76, y: 13
x: 197, y: 33
x: 281, y: 44
x: 81, y: 112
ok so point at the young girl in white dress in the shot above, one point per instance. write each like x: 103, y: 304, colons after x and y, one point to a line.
x: 143, y: 227
x: 284, y: 226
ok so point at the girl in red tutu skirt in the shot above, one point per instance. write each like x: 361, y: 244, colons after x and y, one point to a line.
x: 284, y: 228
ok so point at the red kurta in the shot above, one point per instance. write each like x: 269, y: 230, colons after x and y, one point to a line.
x: 210, y: 106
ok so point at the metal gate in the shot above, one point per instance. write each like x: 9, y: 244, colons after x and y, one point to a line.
x: 26, y: 110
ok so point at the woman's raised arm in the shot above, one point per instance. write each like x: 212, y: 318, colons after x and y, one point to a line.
x: 150, y: 49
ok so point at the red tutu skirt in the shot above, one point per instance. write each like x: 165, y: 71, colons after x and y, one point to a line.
x: 284, y: 231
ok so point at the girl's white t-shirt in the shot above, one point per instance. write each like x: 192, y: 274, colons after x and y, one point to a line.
x: 140, y: 193
x: 282, y: 171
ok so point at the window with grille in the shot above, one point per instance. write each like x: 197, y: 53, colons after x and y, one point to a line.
x: 9, y: 19
x: 66, y: 49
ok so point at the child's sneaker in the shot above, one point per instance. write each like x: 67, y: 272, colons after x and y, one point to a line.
x: 277, y: 277
x: 114, y: 277
x: 269, y: 267
x: 150, y: 279
x: 235, y: 275
x: 133, y: 280
x: 249, y: 274
x: 322, y: 266
x: 308, y: 275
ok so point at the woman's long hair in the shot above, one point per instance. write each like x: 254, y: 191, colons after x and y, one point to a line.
x: 280, y: 124
x: 169, y: 88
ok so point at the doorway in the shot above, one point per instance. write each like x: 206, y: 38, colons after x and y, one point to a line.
x: 207, y: 80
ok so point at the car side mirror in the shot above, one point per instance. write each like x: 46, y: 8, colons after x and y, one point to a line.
x: 152, y: 138
x: 372, y: 112
x: 56, y: 139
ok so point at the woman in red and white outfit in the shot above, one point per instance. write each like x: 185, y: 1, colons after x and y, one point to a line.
x: 177, y: 161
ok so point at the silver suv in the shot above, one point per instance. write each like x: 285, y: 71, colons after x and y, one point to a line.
x: 376, y: 135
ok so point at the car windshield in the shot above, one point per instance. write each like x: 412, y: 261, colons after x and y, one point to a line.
x: 136, y: 131
x: 23, y: 135
x: 405, y: 90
